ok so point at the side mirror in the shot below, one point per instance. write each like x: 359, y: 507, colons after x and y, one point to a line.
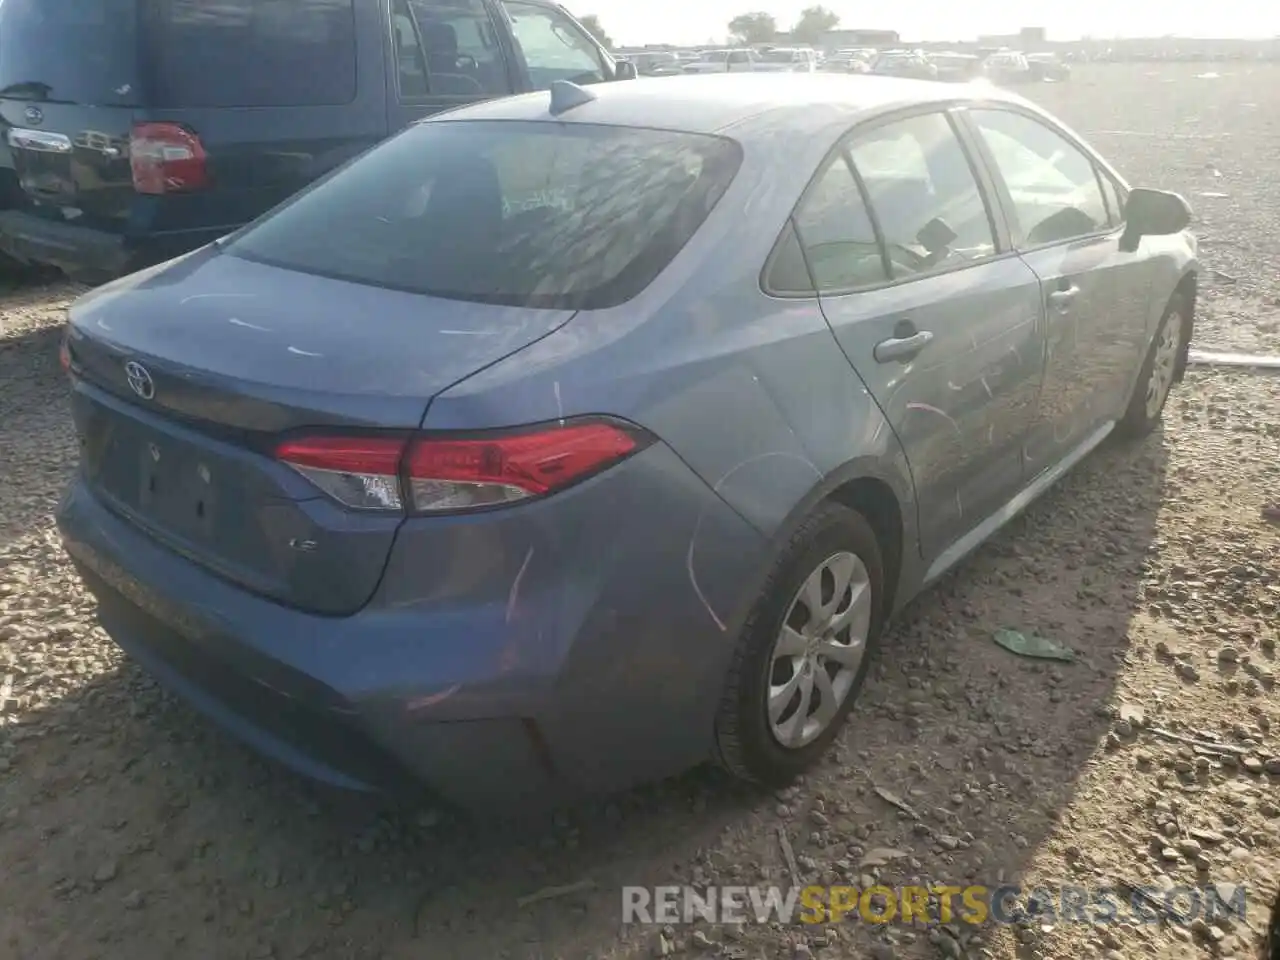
x: 1153, y: 213
x: 625, y: 70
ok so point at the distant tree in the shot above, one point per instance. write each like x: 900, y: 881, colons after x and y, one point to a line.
x: 592, y: 23
x: 754, y: 27
x: 814, y: 23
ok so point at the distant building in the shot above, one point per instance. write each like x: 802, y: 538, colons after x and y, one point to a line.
x: 1028, y: 38
x: 842, y: 39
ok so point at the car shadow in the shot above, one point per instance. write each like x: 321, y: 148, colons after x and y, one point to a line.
x: 129, y: 820
x: 37, y: 444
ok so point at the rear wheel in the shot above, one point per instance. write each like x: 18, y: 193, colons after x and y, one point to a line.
x: 1158, y: 374
x: 804, y: 653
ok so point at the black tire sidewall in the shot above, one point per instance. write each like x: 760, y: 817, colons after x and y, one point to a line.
x: 751, y: 750
x: 1136, y: 422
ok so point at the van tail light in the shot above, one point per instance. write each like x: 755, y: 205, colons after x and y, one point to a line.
x: 64, y: 350
x: 445, y: 474
x: 167, y: 158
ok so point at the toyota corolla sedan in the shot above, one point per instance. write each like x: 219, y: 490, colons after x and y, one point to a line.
x: 569, y: 440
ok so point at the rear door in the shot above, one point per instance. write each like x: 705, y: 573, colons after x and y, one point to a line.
x: 940, y: 322
x: 69, y: 91
x: 1095, y: 294
x: 446, y: 53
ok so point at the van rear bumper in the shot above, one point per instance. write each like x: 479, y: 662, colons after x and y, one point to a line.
x: 96, y: 255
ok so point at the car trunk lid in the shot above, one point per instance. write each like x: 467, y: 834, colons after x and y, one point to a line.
x: 188, y: 375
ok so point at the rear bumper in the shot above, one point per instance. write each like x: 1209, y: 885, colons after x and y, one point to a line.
x: 581, y: 674
x: 84, y: 251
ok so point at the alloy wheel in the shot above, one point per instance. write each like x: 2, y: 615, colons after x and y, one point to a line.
x: 819, y: 649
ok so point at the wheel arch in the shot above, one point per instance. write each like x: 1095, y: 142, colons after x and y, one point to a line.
x: 876, y: 502
x: 883, y: 494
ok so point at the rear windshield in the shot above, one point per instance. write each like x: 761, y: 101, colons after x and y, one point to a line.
x: 527, y: 213
x: 70, y: 51
x: 250, y: 53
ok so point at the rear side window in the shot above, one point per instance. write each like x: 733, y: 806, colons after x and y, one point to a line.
x: 526, y: 213
x: 838, y: 238
x: 924, y: 194
x: 250, y: 53
x: 72, y: 51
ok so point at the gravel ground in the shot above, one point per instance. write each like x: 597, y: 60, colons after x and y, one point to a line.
x: 129, y: 827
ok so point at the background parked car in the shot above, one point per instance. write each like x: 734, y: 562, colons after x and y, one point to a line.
x: 1048, y: 66
x: 656, y: 63
x: 904, y: 63
x: 956, y: 67
x: 787, y: 59
x: 137, y: 130
x: 848, y: 61
x: 724, y: 61
x: 1007, y: 67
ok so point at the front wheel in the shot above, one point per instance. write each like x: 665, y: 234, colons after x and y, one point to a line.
x: 804, y: 652
x: 1158, y: 374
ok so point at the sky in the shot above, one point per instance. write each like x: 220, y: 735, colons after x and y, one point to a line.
x: 700, y: 21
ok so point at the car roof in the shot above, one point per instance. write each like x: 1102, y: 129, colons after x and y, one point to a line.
x: 753, y: 105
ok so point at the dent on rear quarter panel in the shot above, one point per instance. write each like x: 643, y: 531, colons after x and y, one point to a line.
x: 752, y: 393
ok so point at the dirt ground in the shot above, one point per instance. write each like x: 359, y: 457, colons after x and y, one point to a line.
x: 131, y: 828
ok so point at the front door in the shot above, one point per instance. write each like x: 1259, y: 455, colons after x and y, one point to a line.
x: 447, y: 53
x: 942, y: 326
x: 1095, y: 294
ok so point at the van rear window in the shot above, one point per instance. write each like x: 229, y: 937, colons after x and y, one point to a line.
x: 523, y: 213
x: 250, y: 53
x: 69, y: 51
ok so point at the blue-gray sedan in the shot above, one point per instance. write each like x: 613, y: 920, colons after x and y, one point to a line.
x: 568, y: 440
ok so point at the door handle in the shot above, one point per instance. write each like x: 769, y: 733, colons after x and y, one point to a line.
x: 901, y: 348
x: 1064, y: 298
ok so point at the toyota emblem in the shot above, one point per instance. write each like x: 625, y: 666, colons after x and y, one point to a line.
x: 140, y: 381
x: 33, y: 115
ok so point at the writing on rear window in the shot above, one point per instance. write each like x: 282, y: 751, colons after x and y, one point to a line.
x: 557, y: 199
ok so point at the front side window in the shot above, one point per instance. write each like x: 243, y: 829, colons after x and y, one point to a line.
x: 836, y: 233
x: 251, y: 53
x: 1053, y: 185
x: 553, y: 46
x: 523, y: 213
x: 447, y: 48
x: 924, y: 194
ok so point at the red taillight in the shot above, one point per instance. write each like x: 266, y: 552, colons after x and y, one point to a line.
x: 359, y: 472
x: 166, y: 158
x: 64, y: 352
x: 447, y: 474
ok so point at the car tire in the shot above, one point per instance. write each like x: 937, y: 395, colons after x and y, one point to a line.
x: 1159, y: 373
x: 832, y: 542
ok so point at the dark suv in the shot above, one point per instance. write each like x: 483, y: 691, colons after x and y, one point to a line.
x: 137, y: 130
